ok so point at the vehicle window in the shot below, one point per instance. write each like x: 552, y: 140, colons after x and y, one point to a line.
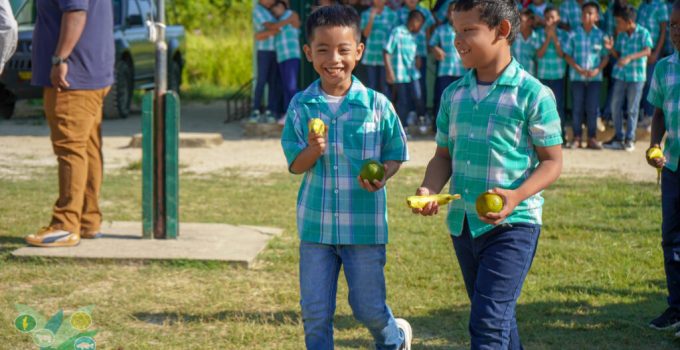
x: 26, y: 13
x: 147, y: 8
x: 116, y: 12
x: 134, y: 16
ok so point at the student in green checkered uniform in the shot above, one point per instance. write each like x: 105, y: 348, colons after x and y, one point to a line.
x: 449, y: 68
x: 570, y: 13
x: 497, y: 130
x: 376, y: 24
x: 401, y: 70
x: 538, y: 8
x: 287, y: 43
x: 525, y: 46
x: 342, y: 219
x: 551, y: 67
x: 633, y: 45
x: 664, y: 94
x: 587, y: 56
x: 653, y: 16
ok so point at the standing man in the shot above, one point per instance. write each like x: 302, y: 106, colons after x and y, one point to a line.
x: 73, y: 58
x: 8, y: 33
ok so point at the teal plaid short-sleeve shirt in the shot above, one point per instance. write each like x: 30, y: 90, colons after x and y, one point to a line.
x: 261, y: 16
x: 444, y: 37
x: 551, y: 65
x: 587, y: 49
x: 491, y: 141
x: 635, y: 70
x: 421, y: 37
x: 402, y: 46
x: 331, y: 207
x: 570, y: 13
x: 287, y: 41
x: 524, y: 51
x: 650, y: 15
x: 664, y: 93
x: 383, y: 24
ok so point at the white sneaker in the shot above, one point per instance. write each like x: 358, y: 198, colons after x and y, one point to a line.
x: 600, y: 125
x: 405, y: 327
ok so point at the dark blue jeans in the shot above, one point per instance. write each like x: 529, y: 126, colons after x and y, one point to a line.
x: 268, y: 74
x: 494, y: 267
x: 670, y: 233
x: 586, y: 100
x: 364, y: 270
x: 647, y: 107
x: 423, y: 80
x: 440, y: 85
x: 408, y: 99
x: 377, y: 80
x: 289, y: 69
x: 557, y: 87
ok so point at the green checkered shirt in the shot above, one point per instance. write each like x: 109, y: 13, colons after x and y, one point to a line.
x: 492, y: 141
x: 635, y: 70
x: 444, y: 37
x: 664, y: 93
x: 421, y: 37
x: 524, y: 51
x: 402, y: 46
x: 287, y: 41
x: 261, y: 16
x: 650, y: 15
x: 441, y: 12
x: 570, y: 13
x: 587, y: 50
x: 331, y: 206
x: 551, y: 66
x: 383, y: 24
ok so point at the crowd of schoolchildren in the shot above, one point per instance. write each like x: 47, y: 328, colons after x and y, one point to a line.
x: 575, y: 47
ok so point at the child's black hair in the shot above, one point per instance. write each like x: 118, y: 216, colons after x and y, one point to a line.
x: 592, y: 4
x: 281, y: 2
x: 528, y: 13
x: 333, y: 16
x: 413, y: 14
x: 626, y: 13
x: 493, y: 12
x: 549, y: 9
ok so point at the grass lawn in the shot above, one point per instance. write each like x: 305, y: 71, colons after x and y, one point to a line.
x: 596, y: 281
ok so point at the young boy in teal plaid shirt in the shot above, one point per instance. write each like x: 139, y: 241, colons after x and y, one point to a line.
x: 664, y: 94
x: 633, y: 45
x: 551, y: 67
x: 653, y: 16
x: 376, y: 24
x: 342, y: 220
x: 497, y: 130
x: 525, y: 46
x: 570, y: 13
x: 287, y: 43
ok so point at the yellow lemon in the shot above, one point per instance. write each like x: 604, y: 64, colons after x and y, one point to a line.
x: 372, y: 170
x: 489, y: 203
x: 317, y: 126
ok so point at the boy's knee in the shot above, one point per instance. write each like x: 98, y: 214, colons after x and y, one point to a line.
x: 371, y: 317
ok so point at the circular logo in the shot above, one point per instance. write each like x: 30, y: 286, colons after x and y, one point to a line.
x: 25, y: 323
x: 43, y: 338
x: 85, y: 343
x: 81, y: 320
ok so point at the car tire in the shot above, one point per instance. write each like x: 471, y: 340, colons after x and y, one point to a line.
x: 117, y: 103
x: 8, y: 103
x: 174, y: 76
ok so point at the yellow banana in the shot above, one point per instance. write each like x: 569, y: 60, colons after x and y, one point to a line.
x: 317, y: 126
x: 655, y: 153
x: 419, y: 202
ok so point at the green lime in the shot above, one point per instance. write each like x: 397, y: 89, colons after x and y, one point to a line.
x: 489, y: 203
x: 372, y: 170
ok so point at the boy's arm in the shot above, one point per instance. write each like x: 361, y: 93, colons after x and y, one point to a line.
x: 658, y: 131
x: 558, y: 45
x: 626, y: 59
x: 306, y: 159
x: 573, y: 64
x: 544, y: 47
x: 659, y: 44
x: 437, y: 174
x: 293, y: 20
x: 389, y: 73
x: 265, y: 34
x: 369, y: 24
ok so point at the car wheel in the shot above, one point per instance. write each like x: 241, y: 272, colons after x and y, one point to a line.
x: 118, y: 101
x: 174, y: 76
x: 8, y: 102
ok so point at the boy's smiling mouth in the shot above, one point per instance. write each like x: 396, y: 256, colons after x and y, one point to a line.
x: 333, y: 70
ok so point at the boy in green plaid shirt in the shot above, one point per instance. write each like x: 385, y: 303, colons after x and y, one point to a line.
x: 376, y: 24
x: 497, y: 130
x: 653, y: 16
x: 551, y: 67
x: 342, y: 219
x: 524, y: 48
x: 664, y: 94
x: 287, y: 43
x: 633, y: 45
x: 570, y: 12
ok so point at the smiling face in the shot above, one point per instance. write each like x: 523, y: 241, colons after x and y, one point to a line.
x: 477, y: 44
x: 334, y: 52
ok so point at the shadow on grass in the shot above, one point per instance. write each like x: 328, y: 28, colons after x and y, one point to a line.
x: 10, y: 243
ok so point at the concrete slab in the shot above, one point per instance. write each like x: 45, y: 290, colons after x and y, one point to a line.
x: 238, y: 245
x: 187, y: 140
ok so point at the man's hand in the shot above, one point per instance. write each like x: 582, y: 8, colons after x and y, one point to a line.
x: 58, y: 76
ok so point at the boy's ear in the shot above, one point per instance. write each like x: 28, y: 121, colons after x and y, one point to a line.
x: 360, y: 51
x: 308, y: 52
x: 504, y: 29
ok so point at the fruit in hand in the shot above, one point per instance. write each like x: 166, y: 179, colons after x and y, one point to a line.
x: 419, y: 202
x: 655, y: 153
x: 489, y: 203
x: 317, y: 126
x: 372, y: 170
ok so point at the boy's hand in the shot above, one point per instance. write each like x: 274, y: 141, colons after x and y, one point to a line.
x: 652, y: 58
x: 317, y: 142
x: 438, y: 53
x: 593, y: 72
x: 431, y: 208
x: 623, y: 61
x: 608, y: 43
x: 656, y: 162
x: 510, y: 201
x: 374, y: 186
x: 581, y: 71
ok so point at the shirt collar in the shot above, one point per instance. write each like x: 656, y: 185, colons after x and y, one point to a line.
x: 675, y: 58
x: 357, y: 95
x: 509, y: 77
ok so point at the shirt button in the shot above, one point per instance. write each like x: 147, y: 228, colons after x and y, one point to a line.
x: 472, y: 135
x: 335, y: 167
x: 333, y: 121
x: 475, y: 108
x: 468, y: 162
x: 336, y: 191
x: 466, y: 191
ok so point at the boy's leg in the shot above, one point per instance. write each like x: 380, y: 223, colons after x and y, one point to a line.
x: 263, y: 66
x: 633, y: 96
x: 647, y: 107
x: 505, y: 257
x: 382, y: 82
x: 403, y: 102
x: 364, y: 270
x: 417, y: 98
x: 423, y: 81
x: 670, y: 230
x: 465, y: 254
x: 319, y: 269
x: 289, y: 70
x: 372, y: 78
x: 275, y: 92
x: 592, y: 107
x: 618, y: 95
x: 578, y: 94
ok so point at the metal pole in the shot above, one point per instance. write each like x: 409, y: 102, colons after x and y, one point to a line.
x: 159, y: 124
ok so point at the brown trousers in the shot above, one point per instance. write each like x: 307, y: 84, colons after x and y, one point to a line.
x: 75, y: 118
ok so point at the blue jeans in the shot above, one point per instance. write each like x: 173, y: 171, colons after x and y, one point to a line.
x: 440, y: 85
x: 364, y: 270
x: 408, y: 99
x: 268, y: 74
x: 632, y: 93
x: 289, y: 70
x: 423, y: 80
x: 557, y: 87
x: 647, y: 107
x: 377, y: 80
x: 670, y: 233
x: 494, y: 267
x: 586, y: 100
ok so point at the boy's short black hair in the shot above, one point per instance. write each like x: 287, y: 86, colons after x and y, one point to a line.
x: 549, y: 9
x: 333, y: 16
x: 281, y: 2
x: 492, y: 12
x: 626, y: 12
x: 592, y: 4
x: 528, y: 13
x: 415, y: 13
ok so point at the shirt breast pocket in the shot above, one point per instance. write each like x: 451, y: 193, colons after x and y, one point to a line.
x: 503, y: 133
x: 360, y: 140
